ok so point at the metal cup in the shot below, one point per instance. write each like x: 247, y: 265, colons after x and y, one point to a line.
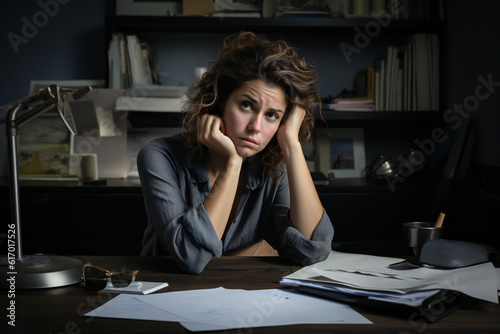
x: 418, y: 233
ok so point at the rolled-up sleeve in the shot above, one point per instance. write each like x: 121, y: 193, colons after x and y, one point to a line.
x: 292, y: 243
x: 183, y: 227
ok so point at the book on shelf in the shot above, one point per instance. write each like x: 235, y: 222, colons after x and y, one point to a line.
x: 407, y: 79
x: 131, y: 62
x: 365, y: 83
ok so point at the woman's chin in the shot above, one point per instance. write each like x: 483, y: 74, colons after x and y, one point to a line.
x: 246, y: 152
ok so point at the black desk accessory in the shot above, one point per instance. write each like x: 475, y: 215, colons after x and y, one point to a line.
x: 452, y: 254
x: 449, y: 254
x: 34, y: 271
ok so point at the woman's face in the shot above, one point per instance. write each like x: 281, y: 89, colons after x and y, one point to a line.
x: 252, y: 115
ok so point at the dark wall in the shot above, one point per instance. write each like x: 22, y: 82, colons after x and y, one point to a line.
x: 472, y: 51
x: 50, y: 40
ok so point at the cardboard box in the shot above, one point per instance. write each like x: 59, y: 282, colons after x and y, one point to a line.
x: 197, y: 7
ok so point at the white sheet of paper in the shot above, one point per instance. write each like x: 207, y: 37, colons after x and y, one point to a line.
x: 229, y: 308
x: 124, y: 306
x: 223, y: 309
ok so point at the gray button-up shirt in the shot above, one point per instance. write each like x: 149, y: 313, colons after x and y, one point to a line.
x: 178, y: 223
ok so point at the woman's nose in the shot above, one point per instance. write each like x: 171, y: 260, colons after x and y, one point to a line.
x: 255, y: 124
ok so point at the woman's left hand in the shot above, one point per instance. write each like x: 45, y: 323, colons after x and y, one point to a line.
x: 288, y: 131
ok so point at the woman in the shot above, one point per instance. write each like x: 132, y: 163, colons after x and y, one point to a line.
x: 237, y: 175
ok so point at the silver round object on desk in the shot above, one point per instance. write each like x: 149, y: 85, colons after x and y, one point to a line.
x: 41, y: 271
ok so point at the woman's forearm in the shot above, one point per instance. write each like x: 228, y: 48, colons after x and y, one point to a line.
x: 219, y: 201
x: 305, y: 206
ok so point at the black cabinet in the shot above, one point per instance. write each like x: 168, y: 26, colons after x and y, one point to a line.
x: 67, y: 218
x: 70, y: 219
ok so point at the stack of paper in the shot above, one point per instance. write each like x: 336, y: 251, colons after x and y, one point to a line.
x: 372, y: 277
x: 153, y: 98
x: 350, y: 104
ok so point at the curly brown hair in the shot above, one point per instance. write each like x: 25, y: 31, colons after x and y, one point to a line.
x: 246, y: 57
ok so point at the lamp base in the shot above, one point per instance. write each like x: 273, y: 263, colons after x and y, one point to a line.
x: 41, y: 271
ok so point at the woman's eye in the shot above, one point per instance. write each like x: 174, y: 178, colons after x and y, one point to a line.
x: 273, y: 116
x: 246, y: 105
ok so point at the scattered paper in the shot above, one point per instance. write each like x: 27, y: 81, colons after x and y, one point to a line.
x: 224, y: 309
x: 125, y: 306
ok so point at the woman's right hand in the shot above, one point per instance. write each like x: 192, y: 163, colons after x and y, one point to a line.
x: 211, y: 133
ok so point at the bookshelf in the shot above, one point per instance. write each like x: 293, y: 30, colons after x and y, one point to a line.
x: 390, y: 32
x: 331, y: 30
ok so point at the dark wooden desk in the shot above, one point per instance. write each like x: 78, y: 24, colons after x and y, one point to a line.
x: 60, y: 310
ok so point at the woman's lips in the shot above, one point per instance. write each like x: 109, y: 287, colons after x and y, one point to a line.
x: 248, y: 141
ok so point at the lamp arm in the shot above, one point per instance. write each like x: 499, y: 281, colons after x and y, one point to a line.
x: 14, y: 124
x: 40, y: 102
x: 49, y: 97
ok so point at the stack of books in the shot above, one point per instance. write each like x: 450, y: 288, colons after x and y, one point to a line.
x: 350, y: 104
x: 131, y: 62
x: 408, y: 78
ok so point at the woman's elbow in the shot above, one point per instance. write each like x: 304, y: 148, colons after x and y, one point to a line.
x: 193, y: 268
x: 193, y: 265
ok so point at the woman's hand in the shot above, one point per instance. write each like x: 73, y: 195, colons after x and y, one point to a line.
x: 211, y: 133
x: 288, y: 132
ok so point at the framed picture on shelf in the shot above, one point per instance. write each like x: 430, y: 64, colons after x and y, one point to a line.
x: 340, y: 152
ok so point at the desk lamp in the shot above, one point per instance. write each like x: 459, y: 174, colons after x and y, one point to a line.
x: 34, y: 271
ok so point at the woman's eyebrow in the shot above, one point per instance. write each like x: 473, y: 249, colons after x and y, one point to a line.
x: 254, y: 101
x: 277, y: 110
